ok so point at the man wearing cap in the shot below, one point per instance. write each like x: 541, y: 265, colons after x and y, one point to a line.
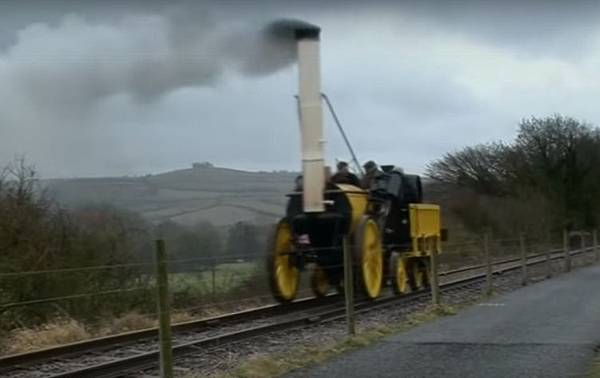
x: 371, y: 172
x: 344, y: 176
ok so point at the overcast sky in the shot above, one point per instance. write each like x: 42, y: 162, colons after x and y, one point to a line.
x: 125, y: 88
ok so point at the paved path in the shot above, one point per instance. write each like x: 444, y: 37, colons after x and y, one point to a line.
x: 548, y: 329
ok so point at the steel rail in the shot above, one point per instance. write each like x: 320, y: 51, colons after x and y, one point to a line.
x: 117, y: 367
x: 146, y: 360
x: 124, y: 366
x: 10, y: 361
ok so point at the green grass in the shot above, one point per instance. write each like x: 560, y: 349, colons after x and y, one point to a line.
x: 227, y: 277
x: 595, y: 368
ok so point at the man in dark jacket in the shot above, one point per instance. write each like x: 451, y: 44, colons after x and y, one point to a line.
x: 344, y: 176
x: 371, y: 173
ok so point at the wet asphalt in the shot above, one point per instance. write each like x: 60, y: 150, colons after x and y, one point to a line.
x: 548, y: 329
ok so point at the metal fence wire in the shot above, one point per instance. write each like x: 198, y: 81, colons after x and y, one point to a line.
x: 201, y: 286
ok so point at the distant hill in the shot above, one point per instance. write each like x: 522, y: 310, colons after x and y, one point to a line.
x: 219, y: 195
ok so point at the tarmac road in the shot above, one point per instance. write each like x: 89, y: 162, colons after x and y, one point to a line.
x: 548, y: 329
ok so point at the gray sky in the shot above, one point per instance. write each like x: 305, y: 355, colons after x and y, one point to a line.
x: 116, y: 88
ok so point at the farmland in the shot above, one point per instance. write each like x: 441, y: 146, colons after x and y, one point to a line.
x: 223, y: 196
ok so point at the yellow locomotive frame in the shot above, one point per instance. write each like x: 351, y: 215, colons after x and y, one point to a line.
x: 407, y: 268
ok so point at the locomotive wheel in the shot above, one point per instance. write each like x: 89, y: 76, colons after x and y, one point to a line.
x: 418, y: 275
x: 319, y: 283
x: 426, y: 270
x: 368, y: 257
x: 400, y: 274
x: 284, y: 277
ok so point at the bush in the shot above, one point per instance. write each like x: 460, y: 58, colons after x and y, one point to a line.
x: 548, y: 178
x: 36, y: 234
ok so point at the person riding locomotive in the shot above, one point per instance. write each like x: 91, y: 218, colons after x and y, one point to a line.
x: 382, y: 221
x: 372, y: 171
x: 344, y: 176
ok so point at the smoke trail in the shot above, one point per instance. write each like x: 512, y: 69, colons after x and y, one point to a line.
x: 146, y: 56
x: 274, y: 49
x: 57, y: 78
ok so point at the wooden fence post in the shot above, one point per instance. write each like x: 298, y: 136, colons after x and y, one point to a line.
x: 566, y: 250
x: 549, y: 261
x: 349, y: 286
x: 164, y: 312
x: 213, y: 268
x: 582, y: 246
x: 524, y: 277
x: 435, y: 286
x: 488, y: 265
x: 548, y: 253
x: 595, y: 242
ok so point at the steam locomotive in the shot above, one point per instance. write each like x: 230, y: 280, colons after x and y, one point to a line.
x: 390, y: 232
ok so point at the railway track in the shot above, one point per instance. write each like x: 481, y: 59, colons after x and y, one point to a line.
x: 136, y: 351
x: 103, y: 343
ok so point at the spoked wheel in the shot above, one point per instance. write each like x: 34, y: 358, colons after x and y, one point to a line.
x: 400, y: 275
x: 368, y: 257
x: 425, y: 270
x: 420, y: 273
x: 319, y: 282
x: 284, y: 276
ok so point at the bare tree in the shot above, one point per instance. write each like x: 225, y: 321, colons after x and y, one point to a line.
x: 553, y: 162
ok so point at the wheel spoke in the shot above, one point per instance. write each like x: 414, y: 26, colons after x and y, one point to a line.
x: 369, y: 251
x: 285, y: 276
x: 402, y: 278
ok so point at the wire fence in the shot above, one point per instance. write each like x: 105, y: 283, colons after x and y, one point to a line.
x: 200, y: 286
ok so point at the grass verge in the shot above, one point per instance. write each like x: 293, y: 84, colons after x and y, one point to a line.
x: 64, y: 331
x: 295, y: 358
x: 61, y: 331
x: 595, y: 368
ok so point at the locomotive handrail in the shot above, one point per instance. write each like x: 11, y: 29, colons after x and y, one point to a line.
x: 339, y: 125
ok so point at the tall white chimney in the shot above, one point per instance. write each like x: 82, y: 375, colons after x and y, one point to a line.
x: 311, y: 118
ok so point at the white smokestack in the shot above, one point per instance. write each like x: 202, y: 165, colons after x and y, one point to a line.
x: 311, y: 118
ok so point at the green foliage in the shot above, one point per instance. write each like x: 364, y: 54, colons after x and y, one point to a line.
x: 548, y: 177
x: 218, y: 283
x: 37, y: 235
x: 191, y: 248
x: 243, y: 241
x: 97, y: 261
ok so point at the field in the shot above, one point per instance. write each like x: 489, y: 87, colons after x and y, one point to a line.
x: 222, y: 196
x: 210, y: 291
x: 217, y: 281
